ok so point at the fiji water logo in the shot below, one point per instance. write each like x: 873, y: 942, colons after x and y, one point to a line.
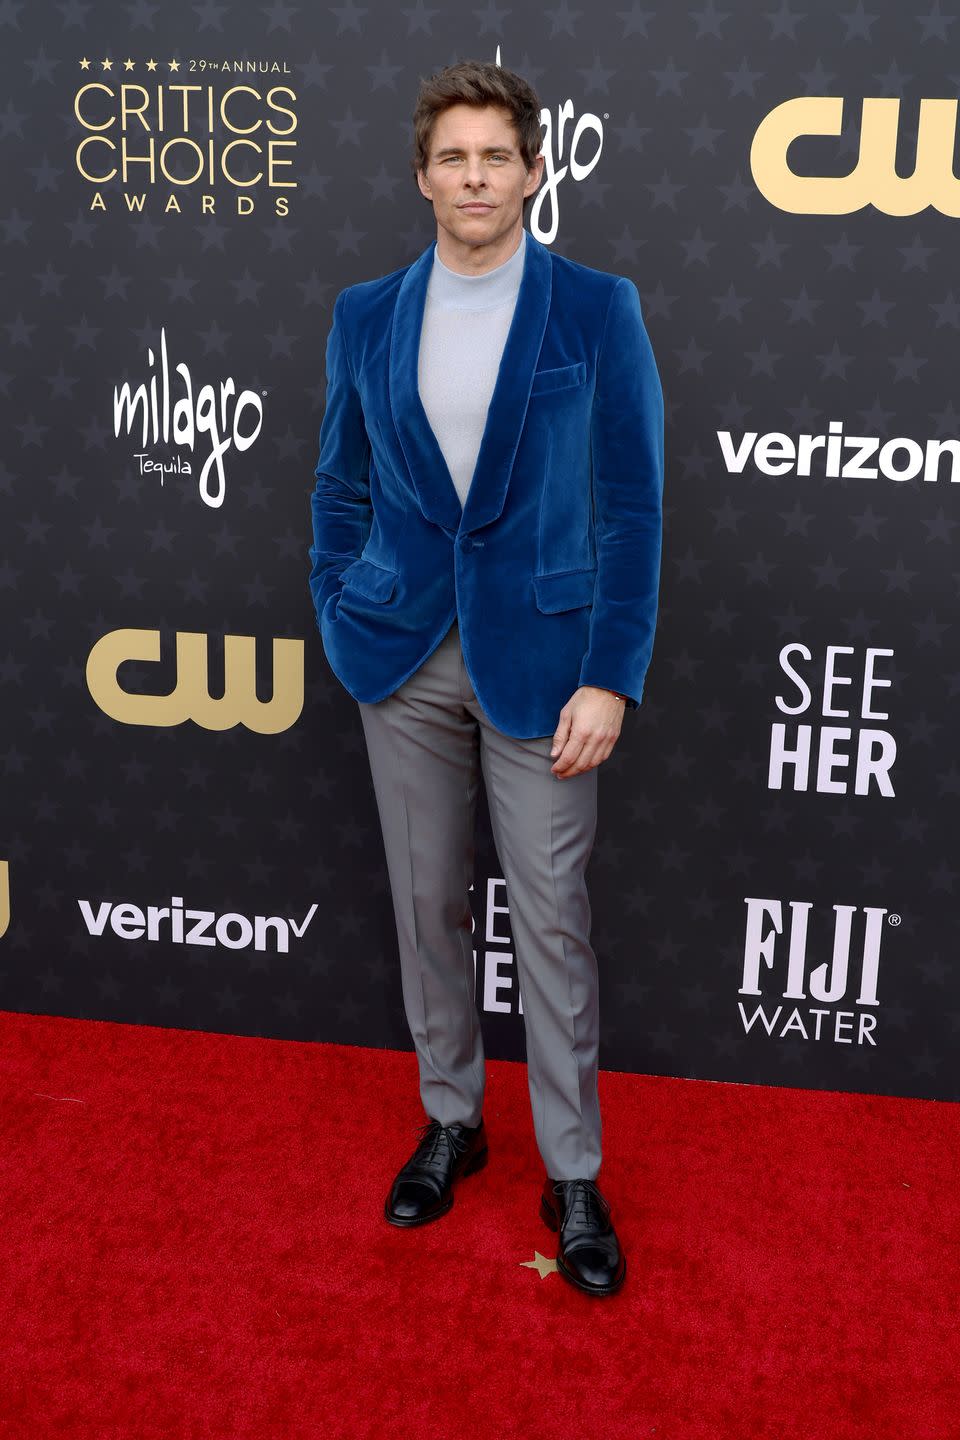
x: 834, y: 1000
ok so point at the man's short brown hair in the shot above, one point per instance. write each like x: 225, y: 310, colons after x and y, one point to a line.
x: 475, y: 82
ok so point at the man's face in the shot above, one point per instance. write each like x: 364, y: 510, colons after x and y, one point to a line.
x: 475, y: 176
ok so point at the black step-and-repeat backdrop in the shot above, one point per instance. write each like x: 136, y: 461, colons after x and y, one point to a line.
x: 188, y: 833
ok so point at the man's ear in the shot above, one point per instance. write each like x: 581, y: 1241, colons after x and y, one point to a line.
x: 535, y: 170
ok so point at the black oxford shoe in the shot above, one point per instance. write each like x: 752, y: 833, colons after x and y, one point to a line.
x: 589, y: 1254
x: 423, y: 1189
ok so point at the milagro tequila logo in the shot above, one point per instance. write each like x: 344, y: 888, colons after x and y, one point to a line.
x: 559, y: 143
x: 167, y: 409
x: 562, y: 142
x: 839, y: 995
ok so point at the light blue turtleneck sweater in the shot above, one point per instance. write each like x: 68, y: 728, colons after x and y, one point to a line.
x: 465, y: 323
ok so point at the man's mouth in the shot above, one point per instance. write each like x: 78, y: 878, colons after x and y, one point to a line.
x: 476, y: 205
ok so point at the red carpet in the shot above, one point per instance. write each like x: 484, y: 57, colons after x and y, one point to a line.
x: 193, y: 1246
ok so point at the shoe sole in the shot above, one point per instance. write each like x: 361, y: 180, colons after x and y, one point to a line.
x: 476, y: 1163
x: 549, y: 1219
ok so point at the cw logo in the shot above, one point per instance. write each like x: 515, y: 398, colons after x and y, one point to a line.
x: 190, y: 698
x: 4, y: 896
x: 873, y: 180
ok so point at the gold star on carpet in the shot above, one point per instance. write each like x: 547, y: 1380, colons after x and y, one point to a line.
x: 174, y: 64
x: 107, y: 64
x: 129, y: 64
x: 151, y: 64
x: 542, y: 1264
x: 84, y: 64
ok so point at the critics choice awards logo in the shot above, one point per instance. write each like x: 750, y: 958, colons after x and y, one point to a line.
x: 204, y: 136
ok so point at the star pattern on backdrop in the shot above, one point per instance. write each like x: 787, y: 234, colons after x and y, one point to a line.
x: 760, y: 321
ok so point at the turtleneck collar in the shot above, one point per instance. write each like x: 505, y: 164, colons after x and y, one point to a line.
x: 476, y: 292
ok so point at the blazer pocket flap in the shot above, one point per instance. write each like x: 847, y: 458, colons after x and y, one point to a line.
x: 371, y: 579
x: 566, y: 590
x: 562, y: 378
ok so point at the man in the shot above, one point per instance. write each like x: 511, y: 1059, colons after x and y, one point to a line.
x: 487, y: 532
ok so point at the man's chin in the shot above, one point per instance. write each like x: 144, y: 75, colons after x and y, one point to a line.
x: 472, y: 223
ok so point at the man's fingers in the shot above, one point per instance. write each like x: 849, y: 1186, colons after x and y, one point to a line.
x: 561, y: 734
x: 582, y: 739
x: 570, y: 754
x: 592, y: 752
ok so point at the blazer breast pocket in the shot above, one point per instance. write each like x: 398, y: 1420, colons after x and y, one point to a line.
x: 562, y: 377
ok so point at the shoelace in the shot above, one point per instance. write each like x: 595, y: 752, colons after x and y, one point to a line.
x: 585, y: 1201
x: 432, y: 1134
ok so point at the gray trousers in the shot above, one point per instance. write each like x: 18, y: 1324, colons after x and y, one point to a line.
x: 427, y: 743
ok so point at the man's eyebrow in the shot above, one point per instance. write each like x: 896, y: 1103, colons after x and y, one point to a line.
x: 458, y: 149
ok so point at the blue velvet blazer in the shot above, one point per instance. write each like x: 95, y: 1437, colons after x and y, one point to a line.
x: 552, y: 565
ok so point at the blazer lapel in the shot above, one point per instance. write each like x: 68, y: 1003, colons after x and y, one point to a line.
x: 438, y: 496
